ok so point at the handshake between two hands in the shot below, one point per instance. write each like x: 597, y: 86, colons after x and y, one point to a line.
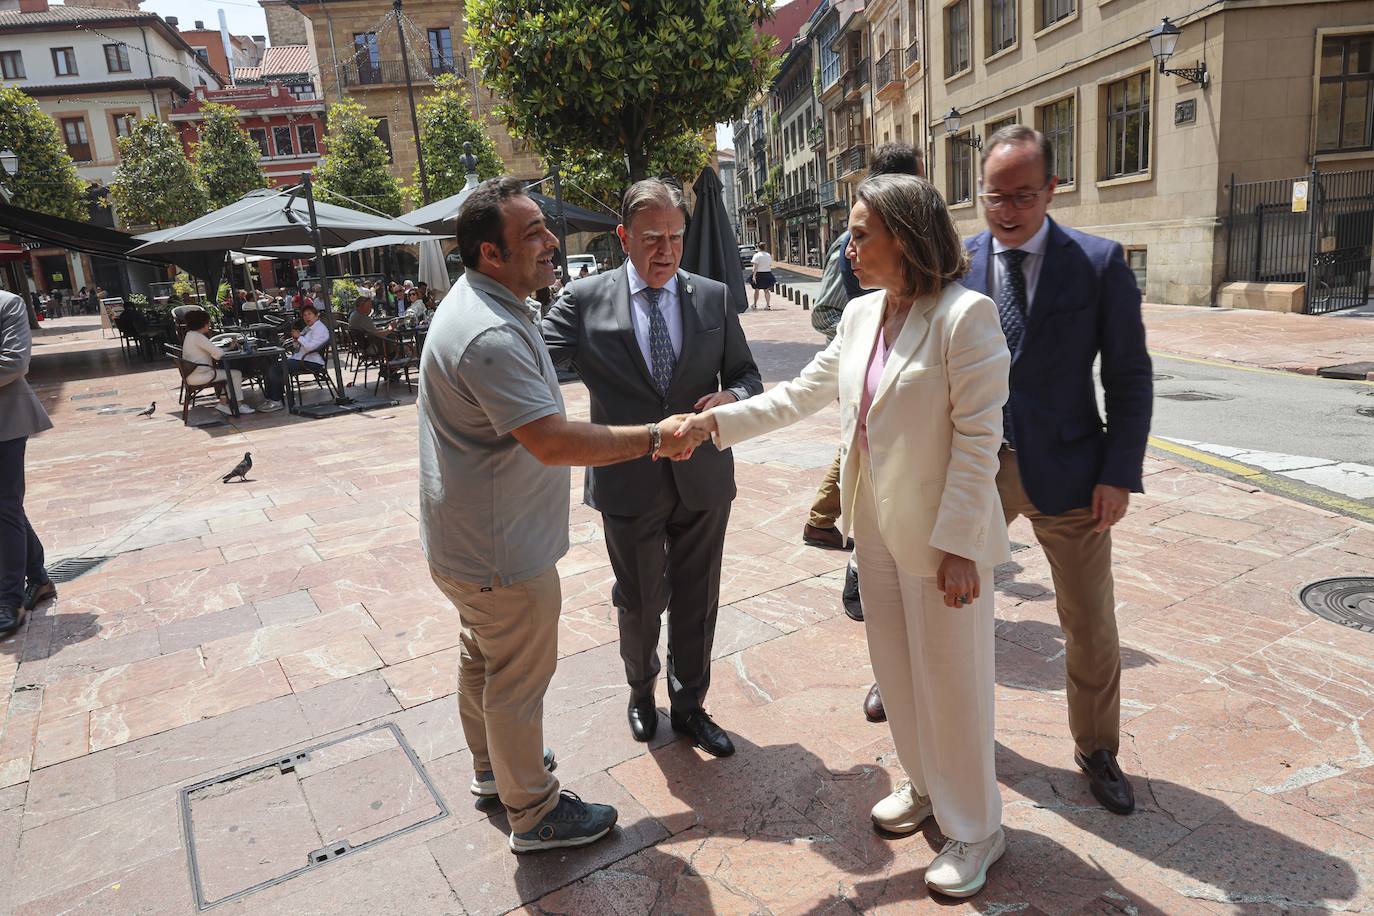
x: 682, y: 433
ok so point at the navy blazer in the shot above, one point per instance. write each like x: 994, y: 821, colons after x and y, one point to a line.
x: 1086, y: 303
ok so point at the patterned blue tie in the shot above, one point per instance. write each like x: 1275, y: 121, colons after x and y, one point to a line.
x: 663, y: 360
x: 1011, y: 306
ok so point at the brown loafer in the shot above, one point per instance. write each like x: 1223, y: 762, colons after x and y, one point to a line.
x: 829, y: 538
x: 873, y: 706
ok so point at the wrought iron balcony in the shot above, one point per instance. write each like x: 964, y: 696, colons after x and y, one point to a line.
x: 913, y: 56
x: 854, y: 79
x: 889, y: 80
x: 797, y: 203
x: 389, y: 72
x: 816, y: 135
x: 827, y: 196
x: 852, y: 160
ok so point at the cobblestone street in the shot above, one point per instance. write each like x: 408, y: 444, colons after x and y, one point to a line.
x: 235, y: 624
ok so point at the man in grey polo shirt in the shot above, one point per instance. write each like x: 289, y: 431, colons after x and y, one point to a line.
x: 495, y: 447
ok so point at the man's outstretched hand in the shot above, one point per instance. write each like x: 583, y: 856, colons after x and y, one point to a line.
x: 706, y: 402
x: 679, y: 437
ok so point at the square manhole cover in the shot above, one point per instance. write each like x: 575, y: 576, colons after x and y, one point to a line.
x: 265, y: 824
x: 108, y: 393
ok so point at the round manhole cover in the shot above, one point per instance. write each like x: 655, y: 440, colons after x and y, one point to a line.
x: 1348, y: 601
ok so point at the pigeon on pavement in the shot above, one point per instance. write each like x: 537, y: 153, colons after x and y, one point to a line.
x: 241, y: 469
x: 149, y: 412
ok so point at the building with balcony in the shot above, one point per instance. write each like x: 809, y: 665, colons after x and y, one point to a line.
x: 898, y: 78
x: 1147, y: 157
x: 358, y: 43
x: 289, y: 131
x: 792, y: 98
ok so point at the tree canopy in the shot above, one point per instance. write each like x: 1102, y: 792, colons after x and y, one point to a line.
x: 226, y: 157
x: 154, y: 184
x: 45, y: 179
x: 356, y: 165
x: 446, y: 123
x: 604, y: 177
x: 625, y: 77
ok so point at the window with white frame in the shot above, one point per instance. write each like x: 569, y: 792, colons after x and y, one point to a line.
x: 281, y: 139
x: 1052, y: 11
x: 1128, y: 126
x: 1057, y: 124
x: 306, y: 140
x: 957, y: 40
x: 1001, y: 25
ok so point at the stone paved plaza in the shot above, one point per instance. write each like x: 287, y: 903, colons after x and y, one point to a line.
x: 235, y: 624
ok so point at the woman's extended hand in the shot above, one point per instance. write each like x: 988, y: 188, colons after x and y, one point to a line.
x: 696, y: 425
x: 958, y: 579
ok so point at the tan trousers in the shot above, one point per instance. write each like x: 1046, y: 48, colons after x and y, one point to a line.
x: 934, y: 666
x: 1081, y: 566
x: 826, y: 509
x: 508, y: 653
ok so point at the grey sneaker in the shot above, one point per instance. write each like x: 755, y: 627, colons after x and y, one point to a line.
x: 572, y: 823
x: 484, y: 781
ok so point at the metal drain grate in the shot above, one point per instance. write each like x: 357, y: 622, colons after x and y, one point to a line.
x: 1353, y: 371
x: 1365, y: 411
x: 90, y: 395
x: 1348, y: 600
x: 1195, y: 396
x: 1161, y: 377
x: 263, y: 824
x: 72, y: 567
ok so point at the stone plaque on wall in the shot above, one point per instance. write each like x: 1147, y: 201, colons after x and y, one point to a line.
x: 1185, y: 112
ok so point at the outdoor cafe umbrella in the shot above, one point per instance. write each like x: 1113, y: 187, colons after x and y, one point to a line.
x: 710, y: 248
x: 441, y: 215
x: 269, y: 218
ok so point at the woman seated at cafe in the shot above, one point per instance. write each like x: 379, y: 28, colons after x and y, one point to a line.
x: 416, y: 309
x: 197, y: 350
x: 307, y: 353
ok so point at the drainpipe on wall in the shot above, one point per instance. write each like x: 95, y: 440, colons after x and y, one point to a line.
x: 925, y: 96
x: 148, y: 56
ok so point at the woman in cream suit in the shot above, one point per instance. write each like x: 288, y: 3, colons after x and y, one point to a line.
x: 920, y: 370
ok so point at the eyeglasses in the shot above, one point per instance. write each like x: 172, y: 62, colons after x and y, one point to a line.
x: 1021, y: 200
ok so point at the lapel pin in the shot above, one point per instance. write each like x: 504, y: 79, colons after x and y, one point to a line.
x: 689, y: 288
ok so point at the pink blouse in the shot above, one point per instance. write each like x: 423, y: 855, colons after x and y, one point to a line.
x: 876, y: 362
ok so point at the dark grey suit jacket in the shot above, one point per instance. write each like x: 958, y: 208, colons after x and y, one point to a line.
x: 21, y: 413
x: 589, y: 328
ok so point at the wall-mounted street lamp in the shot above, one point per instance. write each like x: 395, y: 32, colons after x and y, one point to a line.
x: 1163, y: 41
x: 952, y: 127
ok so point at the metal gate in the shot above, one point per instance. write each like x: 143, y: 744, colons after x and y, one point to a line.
x: 1327, y: 246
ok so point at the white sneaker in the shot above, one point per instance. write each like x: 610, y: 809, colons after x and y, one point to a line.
x: 223, y: 408
x: 245, y: 409
x: 269, y: 406
x: 903, y: 811
x: 961, y: 869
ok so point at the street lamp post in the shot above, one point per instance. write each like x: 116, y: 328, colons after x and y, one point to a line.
x: 1163, y: 42
x: 410, y: 94
x: 952, y: 127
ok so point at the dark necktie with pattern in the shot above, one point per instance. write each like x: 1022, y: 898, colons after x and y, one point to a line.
x: 662, y: 360
x: 1011, y: 306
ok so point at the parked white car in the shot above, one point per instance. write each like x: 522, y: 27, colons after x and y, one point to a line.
x: 577, y: 261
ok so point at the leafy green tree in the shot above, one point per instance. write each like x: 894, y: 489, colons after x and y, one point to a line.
x: 355, y: 165
x: 446, y: 123
x: 226, y: 157
x: 154, y: 184
x: 604, y: 177
x: 624, y: 77
x: 46, y: 179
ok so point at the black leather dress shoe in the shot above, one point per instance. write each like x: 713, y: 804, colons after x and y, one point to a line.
x: 1109, y: 785
x: 643, y: 721
x: 873, y: 706
x: 37, y: 593
x: 11, y: 619
x: 853, y: 606
x: 706, y: 734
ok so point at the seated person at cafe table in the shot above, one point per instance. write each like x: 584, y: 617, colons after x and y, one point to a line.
x: 305, y: 347
x: 416, y: 308
x: 205, y: 356
x: 361, y: 318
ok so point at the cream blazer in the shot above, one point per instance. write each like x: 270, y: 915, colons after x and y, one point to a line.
x: 934, y: 427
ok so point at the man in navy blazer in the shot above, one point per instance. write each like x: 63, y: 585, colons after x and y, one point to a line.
x: 1065, y: 298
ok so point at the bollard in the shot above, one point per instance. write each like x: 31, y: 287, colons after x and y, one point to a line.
x: 806, y: 302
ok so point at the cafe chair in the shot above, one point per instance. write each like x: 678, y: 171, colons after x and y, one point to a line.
x: 190, y: 392
x: 316, y: 373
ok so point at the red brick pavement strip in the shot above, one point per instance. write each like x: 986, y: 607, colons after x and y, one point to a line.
x: 238, y: 622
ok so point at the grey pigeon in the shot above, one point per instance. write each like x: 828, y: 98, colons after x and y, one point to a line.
x: 149, y: 412
x: 241, y: 469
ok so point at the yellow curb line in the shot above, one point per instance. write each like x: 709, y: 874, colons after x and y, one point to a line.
x: 1265, y: 480
x: 1220, y: 364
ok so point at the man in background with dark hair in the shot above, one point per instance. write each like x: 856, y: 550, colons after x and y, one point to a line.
x: 1067, y: 298
x: 495, y: 446
x: 838, y: 287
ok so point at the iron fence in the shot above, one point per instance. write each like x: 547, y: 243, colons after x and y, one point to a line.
x: 1325, y: 245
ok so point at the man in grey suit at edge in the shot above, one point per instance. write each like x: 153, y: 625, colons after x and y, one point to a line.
x: 651, y: 340
x: 24, y: 581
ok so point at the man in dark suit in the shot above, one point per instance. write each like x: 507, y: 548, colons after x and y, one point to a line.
x: 650, y: 340
x: 1066, y: 298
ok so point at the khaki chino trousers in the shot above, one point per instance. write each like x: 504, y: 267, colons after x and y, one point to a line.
x: 508, y: 652
x: 1081, y: 566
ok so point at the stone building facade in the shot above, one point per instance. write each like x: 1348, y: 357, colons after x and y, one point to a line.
x: 359, y: 50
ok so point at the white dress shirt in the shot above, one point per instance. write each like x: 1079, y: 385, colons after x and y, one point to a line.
x: 668, y: 303
x: 1030, y: 266
x: 313, y: 340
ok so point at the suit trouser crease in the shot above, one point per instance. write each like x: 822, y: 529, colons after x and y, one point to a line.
x: 667, y: 558
x: 21, y: 552
x: 934, y: 668
x: 508, y: 652
x: 1081, y: 567
x: 825, y: 510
